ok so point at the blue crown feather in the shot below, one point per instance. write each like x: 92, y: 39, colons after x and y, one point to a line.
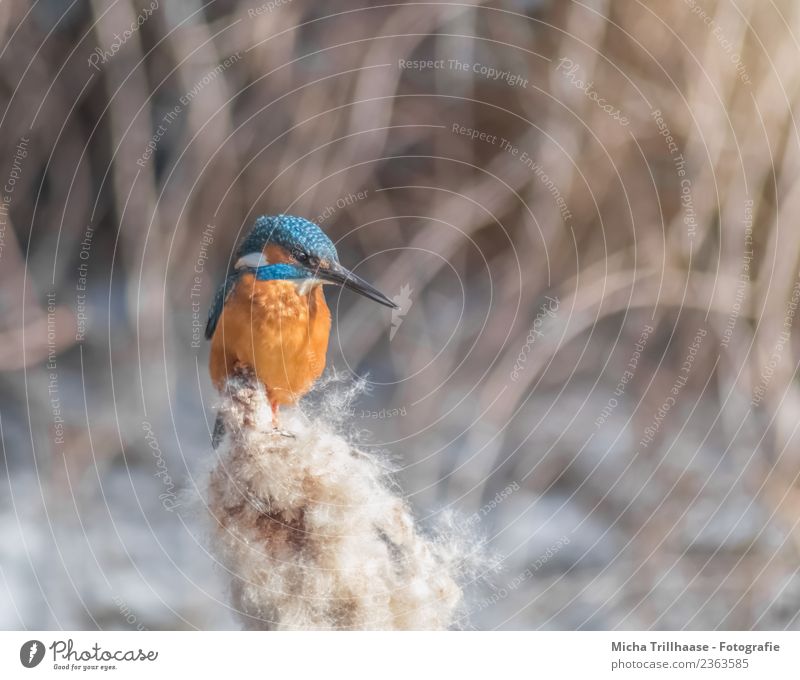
x: 291, y: 233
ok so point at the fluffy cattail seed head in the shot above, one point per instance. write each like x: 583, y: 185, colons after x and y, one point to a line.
x: 311, y: 534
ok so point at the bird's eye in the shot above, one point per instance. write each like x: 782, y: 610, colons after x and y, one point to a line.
x: 300, y: 256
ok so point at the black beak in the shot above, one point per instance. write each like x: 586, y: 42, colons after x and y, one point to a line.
x: 335, y: 273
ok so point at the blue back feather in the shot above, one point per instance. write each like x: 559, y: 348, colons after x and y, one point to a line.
x: 223, y: 292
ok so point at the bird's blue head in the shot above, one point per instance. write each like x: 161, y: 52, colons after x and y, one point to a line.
x: 282, y: 238
x: 292, y: 248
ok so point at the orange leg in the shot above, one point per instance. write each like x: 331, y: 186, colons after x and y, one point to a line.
x: 276, y: 424
x: 275, y: 421
x: 247, y: 373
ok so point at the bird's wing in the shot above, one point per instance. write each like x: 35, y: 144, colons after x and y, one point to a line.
x: 223, y: 292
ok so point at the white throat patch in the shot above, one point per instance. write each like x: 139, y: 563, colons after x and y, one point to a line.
x: 304, y: 286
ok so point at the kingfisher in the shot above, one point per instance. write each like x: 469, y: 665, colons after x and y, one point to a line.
x: 269, y: 316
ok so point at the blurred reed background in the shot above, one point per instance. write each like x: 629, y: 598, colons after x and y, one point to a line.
x: 587, y: 209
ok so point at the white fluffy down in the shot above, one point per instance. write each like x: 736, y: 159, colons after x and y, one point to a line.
x: 312, y: 536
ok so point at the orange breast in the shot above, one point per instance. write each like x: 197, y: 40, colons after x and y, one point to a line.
x: 281, y: 334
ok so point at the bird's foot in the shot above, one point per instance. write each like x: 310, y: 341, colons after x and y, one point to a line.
x: 279, y: 432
